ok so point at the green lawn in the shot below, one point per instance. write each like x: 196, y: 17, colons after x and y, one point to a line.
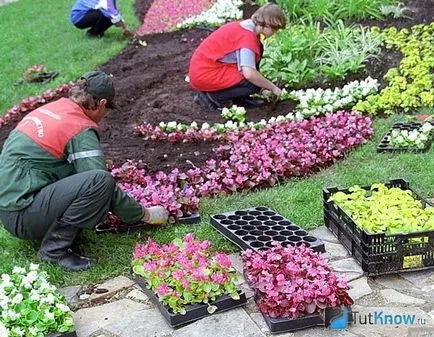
x: 51, y: 40
x: 39, y: 32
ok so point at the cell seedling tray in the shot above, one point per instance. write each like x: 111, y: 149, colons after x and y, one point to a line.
x: 256, y: 228
x: 385, y: 146
x: 194, y: 311
x: 131, y: 229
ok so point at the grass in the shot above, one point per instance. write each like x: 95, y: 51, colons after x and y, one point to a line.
x: 49, y: 38
x: 300, y: 200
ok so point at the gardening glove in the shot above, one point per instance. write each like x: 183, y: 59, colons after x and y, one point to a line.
x: 156, y: 215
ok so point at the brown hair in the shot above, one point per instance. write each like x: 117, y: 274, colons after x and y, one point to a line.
x: 78, y: 95
x: 270, y: 15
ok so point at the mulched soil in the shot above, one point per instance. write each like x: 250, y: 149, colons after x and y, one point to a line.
x: 151, y: 88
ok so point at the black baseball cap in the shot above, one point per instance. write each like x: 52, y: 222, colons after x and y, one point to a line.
x: 100, y: 85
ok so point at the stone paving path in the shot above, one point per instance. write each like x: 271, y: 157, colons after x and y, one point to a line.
x: 123, y: 310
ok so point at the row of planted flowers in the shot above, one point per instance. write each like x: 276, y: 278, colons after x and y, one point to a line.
x: 250, y: 158
x: 312, y: 102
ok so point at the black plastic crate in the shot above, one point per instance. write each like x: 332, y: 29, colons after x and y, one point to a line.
x: 133, y: 228
x: 194, y: 311
x: 380, y: 253
x: 385, y: 146
x: 256, y: 228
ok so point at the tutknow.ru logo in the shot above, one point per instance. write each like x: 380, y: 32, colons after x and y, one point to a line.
x: 338, y: 319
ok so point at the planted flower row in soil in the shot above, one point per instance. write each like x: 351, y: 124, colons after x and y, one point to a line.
x: 388, y: 228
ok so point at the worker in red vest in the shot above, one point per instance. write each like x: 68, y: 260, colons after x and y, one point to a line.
x: 53, y: 176
x: 225, y: 65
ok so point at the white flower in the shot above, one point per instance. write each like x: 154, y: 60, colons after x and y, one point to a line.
x: 426, y: 128
x: 34, y: 266
x: 205, y: 126
x: 280, y: 119
x: 34, y: 295
x: 187, y: 79
x: 49, y: 315
x: 193, y: 125
x: 3, y: 330
x: 162, y: 125
x: 62, y: 307
x: 32, y: 331
x: 18, y: 270
x: 18, y: 331
x: 17, y: 298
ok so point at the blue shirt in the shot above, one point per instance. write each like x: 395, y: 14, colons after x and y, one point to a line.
x: 107, y: 7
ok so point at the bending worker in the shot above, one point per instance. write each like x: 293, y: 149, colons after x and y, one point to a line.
x: 224, y: 68
x: 53, y: 177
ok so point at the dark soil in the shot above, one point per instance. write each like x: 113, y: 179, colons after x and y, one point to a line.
x: 151, y: 88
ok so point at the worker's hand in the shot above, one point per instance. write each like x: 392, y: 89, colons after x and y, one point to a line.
x: 272, y: 96
x: 127, y: 32
x: 156, y: 215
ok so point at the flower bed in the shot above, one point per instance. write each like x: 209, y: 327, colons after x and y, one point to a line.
x: 31, y: 306
x: 185, y: 273
x: 248, y: 159
x: 292, y: 283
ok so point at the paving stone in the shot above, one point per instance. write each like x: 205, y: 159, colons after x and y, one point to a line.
x: 334, y: 251
x: 393, y: 296
x: 138, y: 296
x: 348, y: 267
x: 323, y: 332
x: 232, y: 323
x: 124, y: 318
x: 421, y: 279
x: 71, y: 295
x: 237, y: 262
x: 393, y: 282
x: 431, y: 313
x: 324, y: 234
x: 102, y: 333
x: 112, y: 286
x: 359, y: 288
x: 260, y: 322
x: 387, y: 330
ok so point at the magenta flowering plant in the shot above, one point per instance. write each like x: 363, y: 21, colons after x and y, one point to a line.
x: 291, y: 282
x: 184, y: 272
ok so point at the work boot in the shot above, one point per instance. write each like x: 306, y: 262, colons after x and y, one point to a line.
x: 248, y: 102
x: 56, y: 248
x: 203, y: 100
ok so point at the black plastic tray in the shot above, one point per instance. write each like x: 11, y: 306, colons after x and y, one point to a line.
x: 194, y: 311
x: 256, y: 228
x: 384, y: 145
x: 279, y: 325
x: 131, y: 229
x: 380, y: 254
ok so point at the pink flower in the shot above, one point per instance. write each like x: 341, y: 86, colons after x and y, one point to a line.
x: 223, y: 260
x: 163, y: 289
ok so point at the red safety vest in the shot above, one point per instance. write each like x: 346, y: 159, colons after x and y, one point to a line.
x: 206, y: 72
x: 53, y: 125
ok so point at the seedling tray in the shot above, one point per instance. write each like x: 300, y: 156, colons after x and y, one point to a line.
x: 194, y: 311
x: 280, y: 324
x: 131, y: 229
x: 385, y: 146
x: 380, y: 254
x: 256, y: 228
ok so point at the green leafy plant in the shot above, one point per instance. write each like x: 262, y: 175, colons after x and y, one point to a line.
x: 30, y: 306
x: 185, y: 272
x: 385, y: 210
x: 396, y: 10
x: 234, y: 113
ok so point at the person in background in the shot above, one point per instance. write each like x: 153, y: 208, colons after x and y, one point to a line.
x: 98, y: 16
x: 225, y: 66
x: 53, y: 176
